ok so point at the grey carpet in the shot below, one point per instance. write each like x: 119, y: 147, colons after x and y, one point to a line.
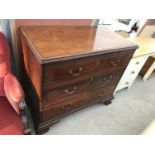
x: 129, y: 114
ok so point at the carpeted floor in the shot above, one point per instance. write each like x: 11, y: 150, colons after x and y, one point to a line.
x: 129, y: 114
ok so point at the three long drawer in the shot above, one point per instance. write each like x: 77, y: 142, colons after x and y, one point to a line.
x: 80, y: 69
x: 73, y: 84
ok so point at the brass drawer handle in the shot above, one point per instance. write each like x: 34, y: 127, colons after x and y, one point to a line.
x: 71, y: 91
x: 137, y: 63
x: 75, y: 73
x: 115, y: 63
x: 107, y: 79
x: 133, y: 72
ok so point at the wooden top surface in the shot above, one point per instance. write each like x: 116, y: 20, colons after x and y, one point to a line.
x: 146, y: 46
x: 50, y: 43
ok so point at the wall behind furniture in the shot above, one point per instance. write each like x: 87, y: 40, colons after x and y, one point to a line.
x: 53, y: 22
x: 16, y: 23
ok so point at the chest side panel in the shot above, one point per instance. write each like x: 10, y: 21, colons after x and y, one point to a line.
x: 32, y: 72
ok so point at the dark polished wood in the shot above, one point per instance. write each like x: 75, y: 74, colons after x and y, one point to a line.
x: 52, y: 44
x: 80, y: 69
x: 44, y: 127
x: 106, y: 102
x: 86, y: 89
x: 72, y: 102
x: 68, y: 68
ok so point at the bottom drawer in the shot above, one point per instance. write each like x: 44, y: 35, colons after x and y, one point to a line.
x: 59, y: 110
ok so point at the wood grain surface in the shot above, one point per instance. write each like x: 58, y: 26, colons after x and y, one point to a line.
x: 52, y: 43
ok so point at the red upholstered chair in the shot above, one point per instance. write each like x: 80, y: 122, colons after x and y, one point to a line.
x: 13, y: 110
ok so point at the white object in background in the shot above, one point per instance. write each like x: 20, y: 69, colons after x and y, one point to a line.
x: 116, y: 25
x: 106, y: 21
x: 132, y: 36
x: 146, y: 49
x: 131, y: 72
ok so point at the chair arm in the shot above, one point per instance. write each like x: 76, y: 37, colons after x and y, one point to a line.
x: 13, y: 91
x: 24, y: 114
x: 15, y: 96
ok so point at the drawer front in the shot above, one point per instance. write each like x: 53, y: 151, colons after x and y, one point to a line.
x: 131, y: 72
x: 80, y: 91
x: 81, y: 69
x: 72, y: 104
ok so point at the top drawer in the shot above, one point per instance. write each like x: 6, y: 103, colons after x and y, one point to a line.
x: 79, y: 69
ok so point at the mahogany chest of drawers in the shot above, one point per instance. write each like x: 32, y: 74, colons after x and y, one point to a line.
x: 68, y: 68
